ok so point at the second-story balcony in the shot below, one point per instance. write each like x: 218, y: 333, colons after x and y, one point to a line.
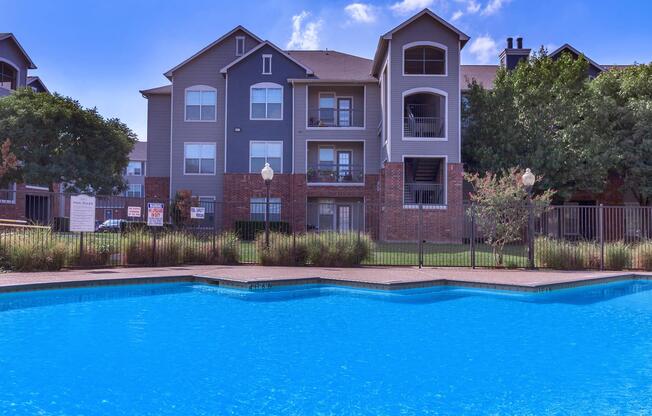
x: 424, y: 116
x: 335, y: 163
x: 336, y: 107
x: 335, y: 173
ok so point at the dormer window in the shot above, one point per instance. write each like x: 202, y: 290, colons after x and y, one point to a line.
x: 239, y: 45
x: 424, y: 58
x: 8, y: 76
x: 267, y: 64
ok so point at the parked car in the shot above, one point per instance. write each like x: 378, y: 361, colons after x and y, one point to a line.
x: 110, y: 226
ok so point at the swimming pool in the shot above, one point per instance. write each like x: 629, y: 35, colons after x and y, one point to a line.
x: 191, y: 349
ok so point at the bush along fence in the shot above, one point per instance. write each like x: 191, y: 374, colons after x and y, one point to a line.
x: 330, y: 232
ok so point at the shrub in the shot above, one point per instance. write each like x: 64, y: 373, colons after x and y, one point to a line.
x: 338, y: 249
x: 566, y: 255
x: 617, y: 256
x: 227, y: 250
x: 644, y: 256
x: 138, y: 248
x: 284, y: 250
x: 95, y: 255
x: 170, y: 249
x: 34, y: 250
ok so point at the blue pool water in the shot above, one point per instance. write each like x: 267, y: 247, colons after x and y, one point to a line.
x: 184, y: 349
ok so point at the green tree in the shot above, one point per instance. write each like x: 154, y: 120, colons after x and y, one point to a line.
x: 8, y: 161
x: 538, y: 115
x: 56, y: 140
x: 623, y: 101
x: 500, y: 207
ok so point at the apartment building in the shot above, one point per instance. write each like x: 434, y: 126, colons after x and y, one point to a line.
x: 340, y: 131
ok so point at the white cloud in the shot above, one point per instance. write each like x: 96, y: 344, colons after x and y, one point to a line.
x: 457, y: 15
x: 484, y: 49
x: 361, y: 12
x: 410, y: 6
x: 494, y: 6
x: 305, y: 34
x: 472, y: 7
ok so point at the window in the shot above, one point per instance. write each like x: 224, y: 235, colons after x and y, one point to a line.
x: 424, y: 60
x: 199, y: 159
x: 135, y: 168
x: 327, y: 108
x: 239, y: 45
x: 8, y: 76
x: 265, y: 152
x: 258, y: 207
x: 201, y: 102
x: 135, y: 190
x: 267, y: 64
x: 266, y: 102
x: 326, y: 215
x: 8, y: 194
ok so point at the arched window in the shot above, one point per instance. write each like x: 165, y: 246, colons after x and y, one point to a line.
x: 425, y: 58
x: 201, y: 103
x: 8, y: 76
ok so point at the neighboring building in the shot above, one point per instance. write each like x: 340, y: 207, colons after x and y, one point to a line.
x: 339, y: 131
x: 14, y: 64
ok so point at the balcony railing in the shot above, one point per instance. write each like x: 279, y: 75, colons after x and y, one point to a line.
x: 333, y: 117
x: 334, y: 173
x: 424, y: 193
x: 423, y: 121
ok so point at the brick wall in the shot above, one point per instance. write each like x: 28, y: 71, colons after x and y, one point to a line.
x: 441, y: 224
x: 157, y: 187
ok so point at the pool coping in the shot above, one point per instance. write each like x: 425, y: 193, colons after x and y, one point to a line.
x: 316, y: 279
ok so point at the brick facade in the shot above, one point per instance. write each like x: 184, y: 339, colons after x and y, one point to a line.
x: 157, y: 187
x: 437, y: 224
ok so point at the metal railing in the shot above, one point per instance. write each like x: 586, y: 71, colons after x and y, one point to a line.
x: 423, y: 121
x: 36, y: 233
x: 423, y: 193
x: 334, y: 117
x: 335, y: 173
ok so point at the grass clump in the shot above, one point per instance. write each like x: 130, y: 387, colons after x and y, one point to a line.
x: 33, y: 250
x: 644, y: 256
x: 138, y: 246
x: 228, y: 249
x: 284, y: 250
x: 338, y: 249
x: 95, y: 255
x: 558, y: 254
x: 617, y: 256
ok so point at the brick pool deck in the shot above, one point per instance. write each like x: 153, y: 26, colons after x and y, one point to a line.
x: 259, y: 277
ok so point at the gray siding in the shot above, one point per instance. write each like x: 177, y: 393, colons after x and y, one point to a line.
x: 369, y: 134
x: 158, y: 135
x: 9, y: 52
x: 203, y: 70
x: 240, y: 78
x: 425, y: 29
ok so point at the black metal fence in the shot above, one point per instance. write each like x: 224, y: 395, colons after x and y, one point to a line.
x: 322, y: 231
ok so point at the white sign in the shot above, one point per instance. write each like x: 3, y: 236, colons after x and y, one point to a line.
x: 198, y: 213
x: 155, y: 212
x: 133, y: 212
x: 82, y: 213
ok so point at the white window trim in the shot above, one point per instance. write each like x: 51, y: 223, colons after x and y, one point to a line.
x: 267, y: 56
x: 426, y: 206
x: 185, y: 106
x: 142, y: 168
x: 364, y: 106
x: 17, y: 68
x: 446, y: 125
x: 239, y: 39
x: 142, y: 190
x: 425, y: 43
x: 252, y: 142
x: 12, y: 190
x: 265, y: 85
x: 214, y: 160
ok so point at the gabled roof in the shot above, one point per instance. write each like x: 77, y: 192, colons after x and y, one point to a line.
x: 222, y: 38
x: 382, y: 42
x: 164, y: 90
x: 27, y: 58
x: 334, y: 66
x: 567, y: 47
x: 260, y: 45
x: 35, y: 79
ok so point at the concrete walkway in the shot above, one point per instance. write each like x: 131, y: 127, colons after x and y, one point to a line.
x: 256, y: 277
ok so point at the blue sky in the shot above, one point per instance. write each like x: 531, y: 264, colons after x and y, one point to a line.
x: 103, y: 52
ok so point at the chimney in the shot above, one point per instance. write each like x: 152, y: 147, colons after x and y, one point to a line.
x: 510, y: 57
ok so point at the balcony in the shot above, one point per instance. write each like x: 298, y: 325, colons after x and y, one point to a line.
x: 424, y: 116
x: 423, y: 194
x: 424, y: 181
x: 335, y: 118
x: 335, y: 173
x: 335, y: 107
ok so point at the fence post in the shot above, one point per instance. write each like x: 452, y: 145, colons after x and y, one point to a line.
x: 81, y: 245
x: 601, y: 234
x: 420, y: 236
x: 473, y: 236
x: 530, y: 234
x: 154, y: 232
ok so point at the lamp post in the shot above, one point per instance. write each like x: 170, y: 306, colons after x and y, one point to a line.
x: 268, y: 174
x: 528, y: 180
